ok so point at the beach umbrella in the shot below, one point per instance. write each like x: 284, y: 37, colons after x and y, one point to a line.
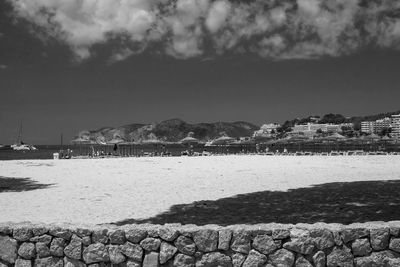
x: 115, y: 141
x: 189, y: 140
x: 81, y: 140
x: 223, y: 140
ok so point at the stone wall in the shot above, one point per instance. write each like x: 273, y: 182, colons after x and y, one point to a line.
x: 373, y: 244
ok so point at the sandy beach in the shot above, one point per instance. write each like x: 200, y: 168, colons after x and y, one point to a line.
x: 109, y: 190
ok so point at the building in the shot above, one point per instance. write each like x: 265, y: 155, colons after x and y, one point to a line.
x: 376, y: 126
x: 396, y: 126
x: 266, y: 130
x: 312, y: 128
x: 367, y: 127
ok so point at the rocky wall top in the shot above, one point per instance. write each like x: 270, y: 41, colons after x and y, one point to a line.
x: 368, y: 244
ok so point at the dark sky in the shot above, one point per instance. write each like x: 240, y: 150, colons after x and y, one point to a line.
x: 51, y: 93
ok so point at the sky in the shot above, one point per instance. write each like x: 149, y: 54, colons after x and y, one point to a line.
x: 67, y: 66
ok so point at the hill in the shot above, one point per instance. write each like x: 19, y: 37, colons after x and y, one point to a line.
x: 171, y: 130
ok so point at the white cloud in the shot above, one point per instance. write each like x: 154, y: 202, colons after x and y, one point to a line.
x: 217, y: 15
x: 191, y: 28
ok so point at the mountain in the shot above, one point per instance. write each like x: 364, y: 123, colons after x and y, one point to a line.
x: 171, y: 130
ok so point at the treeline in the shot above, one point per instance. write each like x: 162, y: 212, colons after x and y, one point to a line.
x: 335, y: 119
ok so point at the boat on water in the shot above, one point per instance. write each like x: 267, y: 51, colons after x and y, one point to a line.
x: 19, y: 145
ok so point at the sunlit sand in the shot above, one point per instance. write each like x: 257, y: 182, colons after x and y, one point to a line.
x: 110, y: 190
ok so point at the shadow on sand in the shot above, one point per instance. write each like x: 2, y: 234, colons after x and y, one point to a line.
x: 332, y: 203
x: 11, y: 184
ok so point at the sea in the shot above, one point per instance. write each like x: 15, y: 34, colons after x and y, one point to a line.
x: 47, y: 151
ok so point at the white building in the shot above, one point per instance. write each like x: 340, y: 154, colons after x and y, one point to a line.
x: 267, y: 129
x: 396, y: 126
x: 312, y: 128
x: 375, y: 126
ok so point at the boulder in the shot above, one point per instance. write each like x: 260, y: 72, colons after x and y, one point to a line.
x: 185, y: 245
x: 150, y: 260
x: 131, y: 263
x: 379, y: 238
x: 302, y: 262
x: 167, y: 251
x: 182, y: 260
x: 319, y: 259
x: 302, y: 245
x: 264, y: 244
x: 8, y: 249
x: 224, y: 239
x: 238, y: 259
x: 206, y: 240
x: 351, y: 234
x: 280, y: 233
x: 73, y: 263
x: 395, y: 244
x: 115, y: 254
x: 282, y: 258
x: 49, y: 262
x: 100, y: 236
x: 214, y: 259
x: 361, y: 247
x: 323, y: 238
x: 42, y: 250
x: 95, y: 253
x: 340, y: 257
x: 255, y: 259
x: 377, y: 259
x: 22, y: 263
x: 22, y: 234
x: 135, y: 235
x: 82, y: 232
x: 60, y: 233
x: 133, y: 251
x: 42, y: 238
x: 150, y: 244
x: 241, y: 242
x: 74, y: 249
x: 168, y: 234
x: 27, y: 251
x: 38, y: 231
x: 57, y: 247
x: 117, y: 237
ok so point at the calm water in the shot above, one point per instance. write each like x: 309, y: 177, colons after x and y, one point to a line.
x: 46, y: 151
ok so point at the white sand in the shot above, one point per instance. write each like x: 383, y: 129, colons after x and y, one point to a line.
x: 110, y: 190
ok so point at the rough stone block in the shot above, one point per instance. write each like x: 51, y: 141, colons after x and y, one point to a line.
x: 22, y: 233
x: 95, y: 253
x: 167, y: 251
x: 241, y: 242
x: 151, y: 260
x: 206, y: 240
x: 224, y: 239
x: 8, y: 249
x: 361, y: 247
x: 117, y: 237
x: 264, y: 244
x: 135, y: 235
x: 133, y: 251
x: 255, y: 259
x: 379, y: 238
x: 340, y: 257
x: 282, y: 257
x: 214, y: 259
x: 185, y: 245
x: 27, y: 251
x: 182, y: 260
x: 150, y: 244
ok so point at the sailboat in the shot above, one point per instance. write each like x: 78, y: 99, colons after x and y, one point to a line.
x: 19, y: 144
